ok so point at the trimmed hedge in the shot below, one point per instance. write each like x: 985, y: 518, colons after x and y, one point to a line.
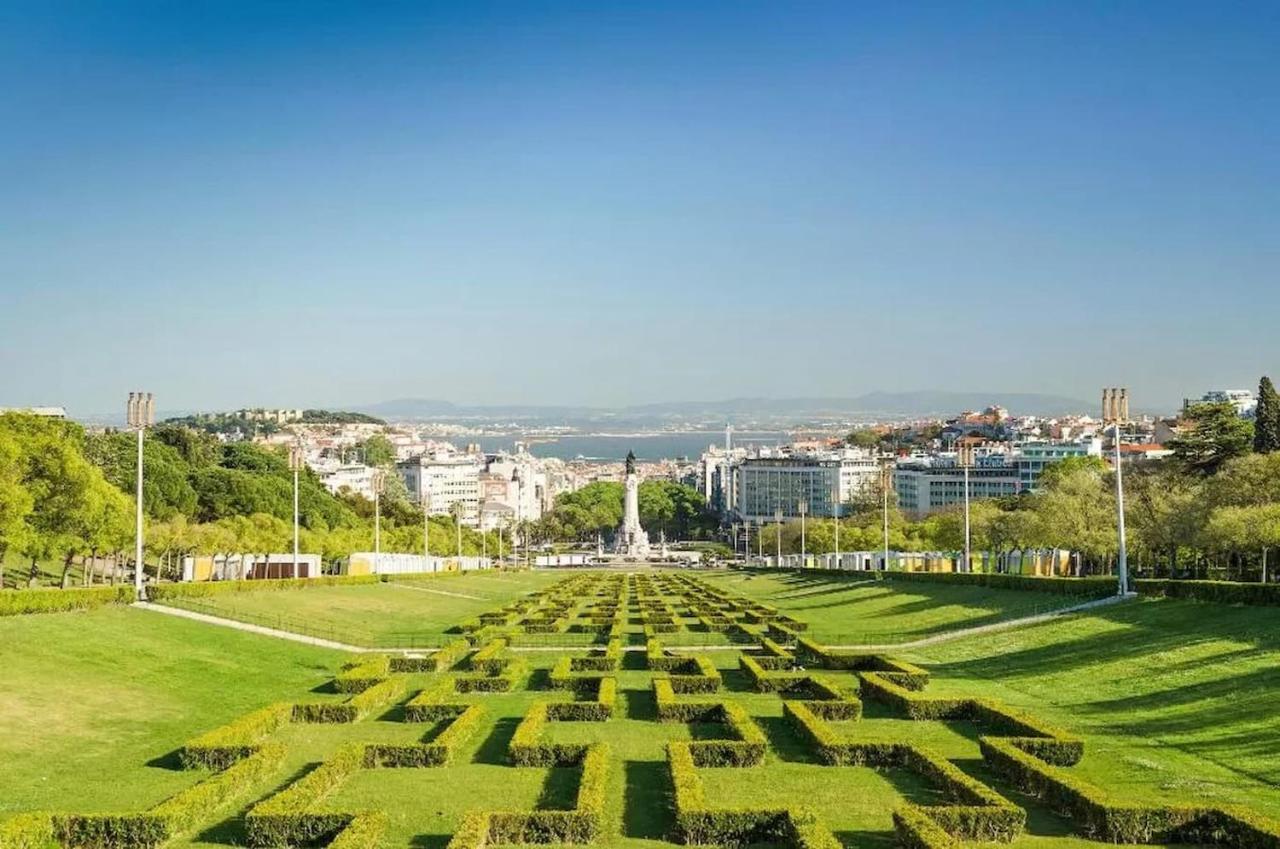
x: 438, y: 752
x: 203, y: 589
x: 54, y: 600
x: 173, y: 816
x: 1218, y: 592
x: 670, y: 710
x: 511, y: 676
x: 746, y: 749
x: 290, y: 817
x: 238, y: 739
x: 581, y: 824
x: 696, y: 675
x: 27, y: 831
x: 979, y: 813
x: 1030, y: 735
x: 1098, y: 816
x: 380, y: 695
x: 607, y: 661
x: 695, y: 823
x: 358, y: 676
x: 491, y: 659
x: 1091, y: 587
x: 899, y: 671
x: 659, y: 659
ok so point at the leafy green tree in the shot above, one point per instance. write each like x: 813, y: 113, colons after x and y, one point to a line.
x: 1165, y: 509
x: 1255, y: 528
x: 1077, y: 511
x: 378, y: 451
x: 1266, y: 423
x: 166, y: 488
x: 864, y: 438
x: 1213, y: 434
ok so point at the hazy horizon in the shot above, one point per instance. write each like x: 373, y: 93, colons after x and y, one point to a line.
x: 613, y: 204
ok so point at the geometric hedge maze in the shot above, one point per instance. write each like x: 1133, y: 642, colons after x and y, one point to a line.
x: 819, y: 689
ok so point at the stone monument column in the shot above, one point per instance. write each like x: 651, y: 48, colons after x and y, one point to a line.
x: 632, y: 539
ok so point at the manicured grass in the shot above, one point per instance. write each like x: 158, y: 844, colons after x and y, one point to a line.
x: 91, y: 703
x: 1176, y: 699
x: 854, y: 610
x: 406, y: 614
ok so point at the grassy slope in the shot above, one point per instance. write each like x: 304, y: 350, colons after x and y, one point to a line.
x: 852, y: 611
x: 377, y: 614
x: 1196, y: 683
x: 1176, y: 699
x: 90, y: 698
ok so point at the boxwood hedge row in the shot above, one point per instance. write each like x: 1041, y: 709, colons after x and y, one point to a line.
x: 380, y: 695
x: 696, y: 823
x: 174, y: 816
x: 223, y: 746
x: 581, y: 824
x: 54, y: 600
x: 1103, y: 818
x: 438, y: 752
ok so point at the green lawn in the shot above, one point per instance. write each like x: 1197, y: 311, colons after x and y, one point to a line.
x: 853, y: 610
x: 91, y: 703
x: 406, y: 614
x: 1176, y: 701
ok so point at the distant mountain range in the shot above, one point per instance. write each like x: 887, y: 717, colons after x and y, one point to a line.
x: 870, y: 405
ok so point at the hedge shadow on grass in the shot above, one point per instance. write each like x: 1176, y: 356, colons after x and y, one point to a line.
x: 171, y: 761
x: 641, y: 704
x: 784, y: 742
x: 646, y: 795
x: 854, y: 839
x: 493, y: 750
x: 560, y: 790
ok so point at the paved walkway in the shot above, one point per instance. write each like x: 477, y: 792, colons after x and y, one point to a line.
x: 994, y: 626
x: 437, y: 592
x: 245, y: 626
x: 887, y: 647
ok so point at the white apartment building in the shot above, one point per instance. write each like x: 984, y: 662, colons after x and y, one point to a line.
x: 445, y: 483
x: 1245, y: 402
x: 767, y: 486
x: 356, y: 478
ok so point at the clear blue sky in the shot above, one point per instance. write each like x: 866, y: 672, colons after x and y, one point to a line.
x: 610, y: 203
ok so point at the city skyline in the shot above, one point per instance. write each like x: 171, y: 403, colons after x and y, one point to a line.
x: 607, y: 205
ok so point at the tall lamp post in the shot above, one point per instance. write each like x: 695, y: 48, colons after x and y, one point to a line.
x: 803, y: 508
x: 295, y: 463
x: 966, y: 460
x: 777, y: 519
x: 1122, y: 559
x: 140, y: 413
x: 837, y: 532
x: 884, y: 493
x: 425, y: 498
x: 377, y: 520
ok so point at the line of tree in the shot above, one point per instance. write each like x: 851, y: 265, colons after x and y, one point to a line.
x: 1210, y: 510
x: 666, y: 508
x: 67, y: 504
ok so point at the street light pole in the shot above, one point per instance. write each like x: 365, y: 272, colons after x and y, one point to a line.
x: 884, y: 492
x: 837, y: 533
x: 377, y: 521
x: 1122, y: 561
x: 295, y: 460
x: 777, y: 518
x: 140, y: 413
x: 803, y: 508
x: 966, y: 459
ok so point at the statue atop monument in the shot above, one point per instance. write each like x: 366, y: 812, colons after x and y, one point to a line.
x: 631, y: 539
